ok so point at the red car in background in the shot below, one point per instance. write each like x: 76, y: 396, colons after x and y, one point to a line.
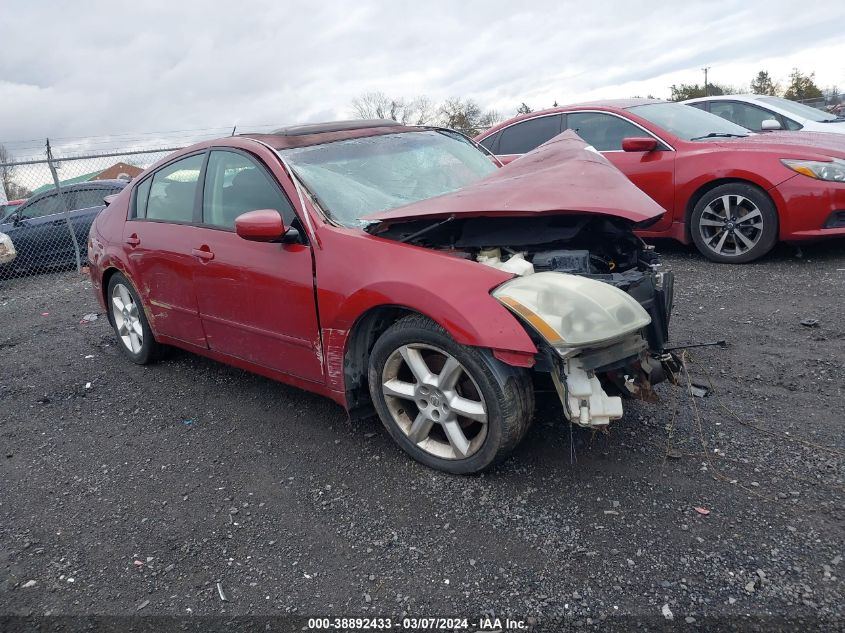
x: 732, y: 193
x: 8, y: 208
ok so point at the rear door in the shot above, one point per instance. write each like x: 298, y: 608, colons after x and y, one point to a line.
x: 256, y: 300
x: 158, y: 238
x: 653, y: 172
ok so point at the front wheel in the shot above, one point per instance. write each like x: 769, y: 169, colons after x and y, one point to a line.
x: 734, y: 223
x: 451, y: 407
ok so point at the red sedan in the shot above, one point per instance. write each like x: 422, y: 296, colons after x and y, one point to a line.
x: 395, y: 270
x: 733, y: 193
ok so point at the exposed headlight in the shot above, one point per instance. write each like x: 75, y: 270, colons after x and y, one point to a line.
x: 834, y: 170
x: 571, y: 311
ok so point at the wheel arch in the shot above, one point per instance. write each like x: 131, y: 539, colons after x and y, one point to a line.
x: 356, y: 355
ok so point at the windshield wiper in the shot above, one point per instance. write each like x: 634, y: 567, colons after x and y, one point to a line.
x: 718, y: 135
x: 836, y: 120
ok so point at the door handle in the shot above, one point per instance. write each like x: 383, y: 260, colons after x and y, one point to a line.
x: 203, y: 253
x: 133, y: 240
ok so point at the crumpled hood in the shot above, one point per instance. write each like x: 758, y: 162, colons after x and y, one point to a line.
x: 560, y: 176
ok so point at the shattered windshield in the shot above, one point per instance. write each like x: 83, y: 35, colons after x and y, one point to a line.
x: 361, y: 176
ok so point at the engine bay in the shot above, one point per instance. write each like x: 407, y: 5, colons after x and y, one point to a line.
x: 599, y: 247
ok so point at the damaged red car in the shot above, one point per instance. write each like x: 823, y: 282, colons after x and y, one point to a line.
x: 399, y: 271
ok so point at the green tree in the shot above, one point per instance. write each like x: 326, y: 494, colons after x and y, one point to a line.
x: 762, y: 84
x: 524, y: 108
x: 802, y: 86
x: 691, y: 91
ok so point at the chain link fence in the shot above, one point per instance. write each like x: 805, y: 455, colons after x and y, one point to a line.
x: 47, y: 205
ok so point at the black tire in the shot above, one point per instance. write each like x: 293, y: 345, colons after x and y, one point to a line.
x: 150, y: 350
x: 507, y: 392
x: 768, y: 233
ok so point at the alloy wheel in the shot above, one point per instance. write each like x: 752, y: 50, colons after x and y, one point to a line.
x: 731, y: 225
x: 434, y: 401
x: 127, y: 321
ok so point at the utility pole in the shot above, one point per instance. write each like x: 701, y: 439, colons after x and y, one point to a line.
x: 706, y: 87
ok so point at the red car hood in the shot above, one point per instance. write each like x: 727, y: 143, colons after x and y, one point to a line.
x: 793, y: 143
x: 560, y: 176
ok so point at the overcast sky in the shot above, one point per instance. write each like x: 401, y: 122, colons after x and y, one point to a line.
x: 97, y: 68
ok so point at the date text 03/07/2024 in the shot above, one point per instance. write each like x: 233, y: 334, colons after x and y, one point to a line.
x: 491, y: 624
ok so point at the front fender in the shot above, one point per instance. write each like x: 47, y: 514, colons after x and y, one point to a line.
x: 357, y: 273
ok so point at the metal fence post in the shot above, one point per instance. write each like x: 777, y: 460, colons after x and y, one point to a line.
x: 66, y: 206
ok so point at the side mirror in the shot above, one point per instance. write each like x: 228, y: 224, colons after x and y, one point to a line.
x: 15, y: 219
x: 263, y: 225
x: 770, y: 124
x: 639, y: 144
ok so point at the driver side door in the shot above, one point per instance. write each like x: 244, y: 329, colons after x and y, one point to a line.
x: 256, y: 300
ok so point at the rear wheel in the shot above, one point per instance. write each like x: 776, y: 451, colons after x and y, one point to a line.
x: 129, y: 321
x: 734, y: 223
x: 450, y: 407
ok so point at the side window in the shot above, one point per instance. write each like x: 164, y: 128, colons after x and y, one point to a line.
x: 603, y: 131
x: 701, y: 105
x: 525, y: 136
x: 173, y: 190
x: 142, y: 194
x: 491, y: 142
x: 87, y: 198
x: 748, y: 116
x: 45, y: 206
x: 235, y: 184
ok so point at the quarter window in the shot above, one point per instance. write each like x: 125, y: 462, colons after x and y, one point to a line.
x: 173, y: 190
x: 142, y: 194
x: 523, y: 137
x: 490, y: 142
x: 603, y: 131
x: 235, y: 184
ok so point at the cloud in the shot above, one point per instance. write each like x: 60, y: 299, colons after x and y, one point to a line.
x: 89, y: 69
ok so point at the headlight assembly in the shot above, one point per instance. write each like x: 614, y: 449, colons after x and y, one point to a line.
x: 833, y: 170
x: 571, y: 312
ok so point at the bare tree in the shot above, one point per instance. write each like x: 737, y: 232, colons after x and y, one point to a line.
x: 7, y: 176
x: 377, y: 105
x: 466, y: 116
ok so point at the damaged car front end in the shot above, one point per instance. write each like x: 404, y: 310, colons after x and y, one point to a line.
x: 587, y: 289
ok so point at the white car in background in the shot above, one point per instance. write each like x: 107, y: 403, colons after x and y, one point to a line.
x: 761, y: 113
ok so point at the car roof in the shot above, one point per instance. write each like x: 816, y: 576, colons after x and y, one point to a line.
x: 330, y: 131
x: 737, y: 97
x: 88, y: 184
x: 619, y: 104
x: 614, y: 103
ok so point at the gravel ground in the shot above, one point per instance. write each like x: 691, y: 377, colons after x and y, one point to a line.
x: 133, y: 490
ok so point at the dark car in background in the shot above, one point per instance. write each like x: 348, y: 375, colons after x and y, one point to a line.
x: 39, y: 228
